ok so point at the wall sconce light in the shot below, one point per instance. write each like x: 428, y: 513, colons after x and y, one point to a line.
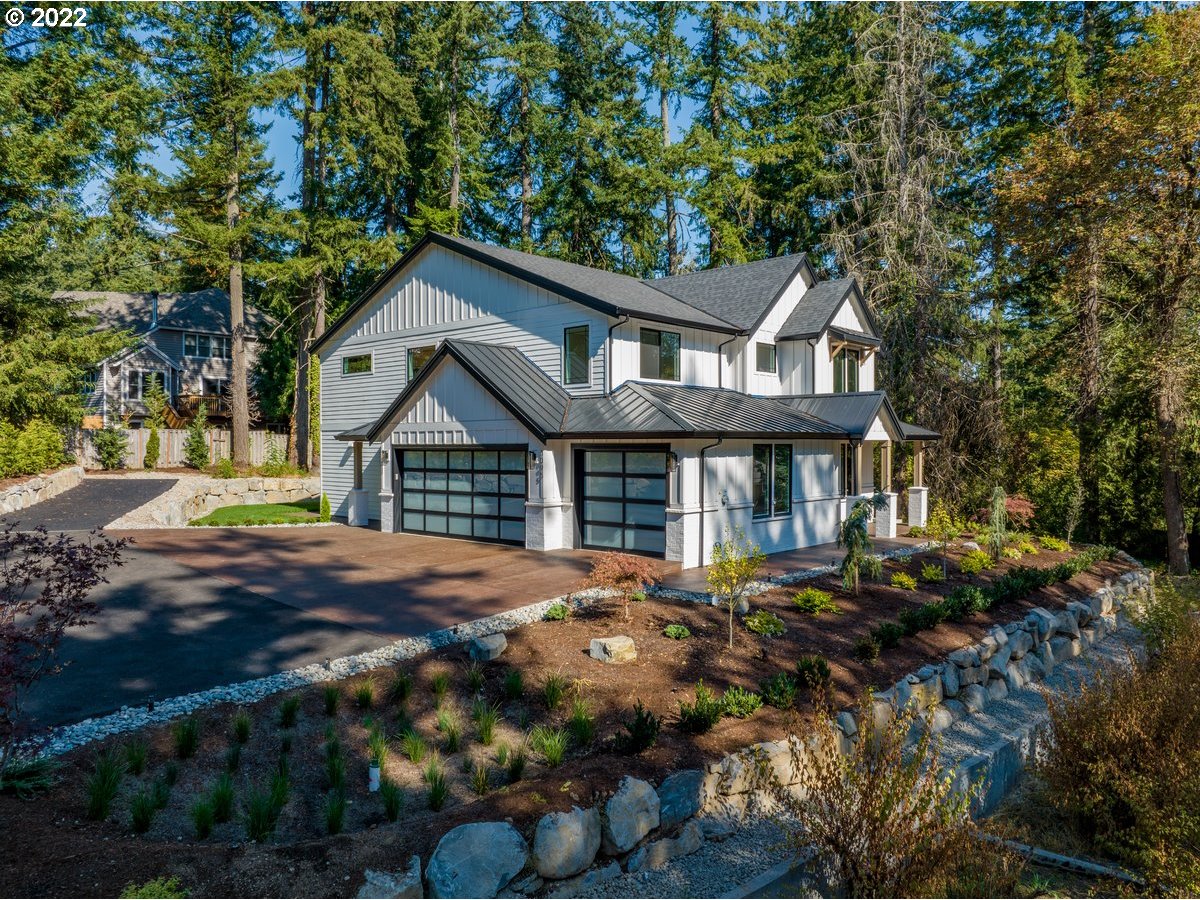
x: 531, y: 459
x: 672, y: 461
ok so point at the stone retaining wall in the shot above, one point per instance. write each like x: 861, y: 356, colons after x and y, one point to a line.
x: 192, y: 498
x: 40, y: 487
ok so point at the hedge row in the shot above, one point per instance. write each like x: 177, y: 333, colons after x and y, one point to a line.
x: 29, y: 450
x: 1015, y: 584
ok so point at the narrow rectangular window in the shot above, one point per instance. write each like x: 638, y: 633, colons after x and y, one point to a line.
x: 189, y: 345
x: 203, y: 345
x: 762, y: 480
x: 660, y: 354
x: 575, y: 355
x: 851, y: 370
x: 356, y: 365
x: 782, y: 488
x: 772, y: 480
x: 848, y: 476
x: 765, y: 360
x: 845, y: 371
x: 418, y: 358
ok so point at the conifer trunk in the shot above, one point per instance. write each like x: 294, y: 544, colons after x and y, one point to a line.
x: 240, y: 400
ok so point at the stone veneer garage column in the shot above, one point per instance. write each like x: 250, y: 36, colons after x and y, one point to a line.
x: 918, y: 507
x: 885, y: 519
x: 387, y: 515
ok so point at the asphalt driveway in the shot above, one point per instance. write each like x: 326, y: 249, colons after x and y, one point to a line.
x: 100, y: 499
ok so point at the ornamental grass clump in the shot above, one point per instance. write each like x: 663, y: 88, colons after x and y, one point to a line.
x: 553, y: 690
x: 400, y: 688
x: 486, y: 719
x: 551, y: 743
x: 240, y: 726
x: 186, y: 735
x: 332, y: 695
x: 641, y: 731
x: 582, y: 723
x: 222, y: 799
x: 135, y: 756
x: 514, y: 684
x: 102, y: 785
x: 289, y: 710
x: 439, y: 686
x: 392, y: 797
x: 364, y: 694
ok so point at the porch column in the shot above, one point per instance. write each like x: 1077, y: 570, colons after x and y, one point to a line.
x: 358, y: 508
x: 387, y: 519
x: 918, y: 494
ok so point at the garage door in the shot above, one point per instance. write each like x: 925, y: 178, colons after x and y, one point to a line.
x: 624, y: 496
x: 473, y: 493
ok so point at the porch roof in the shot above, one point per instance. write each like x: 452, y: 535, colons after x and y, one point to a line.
x: 856, y: 412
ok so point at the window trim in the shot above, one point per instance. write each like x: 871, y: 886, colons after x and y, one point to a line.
x: 369, y: 355
x: 141, y: 377
x: 678, y: 379
x: 409, y: 372
x: 841, y: 367
x: 226, y: 340
x: 774, y: 370
x: 566, y: 355
x: 772, y: 505
x: 848, y: 475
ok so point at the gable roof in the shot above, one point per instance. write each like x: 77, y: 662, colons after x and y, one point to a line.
x: 815, y: 312
x: 855, y: 412
x: 206, y: 310
x: 742, y: 294
x: 635, y: 409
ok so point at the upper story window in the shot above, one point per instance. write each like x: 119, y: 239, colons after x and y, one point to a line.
x: 765, y: 358
x: 205, y: 346
x: 139, y: 383
x: 575, y: 356
x: 418, y: 358
x: 845, y: 371
x: 660, y: 354
x: 357, y: 365
x: 772, y: 480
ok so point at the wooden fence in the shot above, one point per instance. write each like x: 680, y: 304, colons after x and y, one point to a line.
x: 170, y: 443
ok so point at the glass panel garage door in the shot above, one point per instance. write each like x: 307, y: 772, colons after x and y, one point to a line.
x: 476, y: 493
x: 624, y: 500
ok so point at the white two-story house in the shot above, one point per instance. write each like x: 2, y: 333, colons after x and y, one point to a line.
x: 480, y: 393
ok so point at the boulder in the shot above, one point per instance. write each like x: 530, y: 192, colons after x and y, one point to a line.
x: 998, y: 664
x: 1081, y: 611
x: 997, y: 689
x: 927, y: 693
x: 629, y: 815
x: 657, y: 854
x: 968, y: 546
x: 973, y: 675
x: 964, y: 658
x: 1045, y: 655
x: 1020, y: 643
x: 680, y: 797
x: 847, y: 723
x: 476, y: 860
x: 974, y: 697
x: 588, y: 881
x: 939, y: 718
x: 393, y: 885
x: 951, y: 683
x: 1014, y: 676
x: 1064, y: 647
x: 565, y: 843
x: 487, y: 647
x: 617, y: 649
x: 1066, y: 624
x: 1041, y: 622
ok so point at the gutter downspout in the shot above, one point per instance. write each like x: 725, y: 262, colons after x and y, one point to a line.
x: 721, y: 360
x: 812, y: 356
x: 720, y: 440
x: 608, y: 344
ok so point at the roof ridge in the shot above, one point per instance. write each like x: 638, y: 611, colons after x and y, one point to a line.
x: 645, y: 393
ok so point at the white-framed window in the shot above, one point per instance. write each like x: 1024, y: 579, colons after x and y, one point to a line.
x: 418, y: 358
x: 765, y: 358
x: 845, y: 371
x: 359, y: 364
x: 576, y: 355
x: 139, y: 381
x: 207, y: 346
x: 212, y: 387
x: 660, y: 354
x: 772, y: 480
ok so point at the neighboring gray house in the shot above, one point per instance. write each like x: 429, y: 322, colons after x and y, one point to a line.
x: 486, y: 394
x: 183, y: 342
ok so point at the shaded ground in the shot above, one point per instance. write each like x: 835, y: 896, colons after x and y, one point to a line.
x: 300, y: 861
x: 92, y: 504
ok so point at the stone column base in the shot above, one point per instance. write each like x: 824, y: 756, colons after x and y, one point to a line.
x: 357, y: 507
x: 918, y: 507
x: 885, y: 519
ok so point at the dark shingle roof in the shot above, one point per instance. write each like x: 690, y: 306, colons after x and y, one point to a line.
x: 816, y: 309
x: 740, y: 295
x: 206, y: 310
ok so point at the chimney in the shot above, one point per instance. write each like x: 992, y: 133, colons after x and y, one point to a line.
x: 153, y: 309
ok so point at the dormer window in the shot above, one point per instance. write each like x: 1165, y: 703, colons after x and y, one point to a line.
x: 765, y: 360
x: 845, y: 371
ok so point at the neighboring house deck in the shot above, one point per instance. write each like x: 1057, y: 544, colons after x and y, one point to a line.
x: 486, y: 394
x: 183, y: 342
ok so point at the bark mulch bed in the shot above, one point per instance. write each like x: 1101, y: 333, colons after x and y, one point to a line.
x: 50, y: 849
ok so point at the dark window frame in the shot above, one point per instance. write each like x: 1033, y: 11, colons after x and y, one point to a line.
x: 644, y: 345
x: 778, y: 507
x: 759, y: 347
x: 582, y: 471
x: 842, y: 370
x: 586, y: 378
x: 348, y: 361
x: 848, y: 475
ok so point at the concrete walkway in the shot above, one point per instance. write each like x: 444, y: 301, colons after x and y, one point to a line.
x: 92, y: 504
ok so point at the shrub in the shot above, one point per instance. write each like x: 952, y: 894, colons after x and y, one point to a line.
x: 222, y: 799
x: 963, y: 601
x: 914, y: 619
x: 557, y: 612
x: 186, y: 735
x: 814, y: 601
x: 150, y: 460
x: 516, y: 763
x: 735, y: 564
x: 364, y: 694
x: 622, y: 573
x: 887, y: 827
x: 739, y: 702
x: 637, y: 597
x: 997, y: 522
x: 514, y: 684
x: 167, y: 888
x: 202, y: 818
x: 553, y: 689
x: 36, y: 447
x: 887, y: 635
x: 813, y: 672
x: 401, y: 687
x: 414, y: 746
x: 241, y: 726
x: 111, y: 444
x: 392, y: 797
x: 333, y: 696
x: 551, y: 743
x: 335, y: 812
x: 135, y: 756
x: 224, y: 468
x: 102, y: 785
x: 677, y: 632
x: 1056, y: 545
x: 700, y: 717
x: 916, y: 531
x: 1011, y: 553
x: 854, y: 535
x: 481, y: 780
x: 779, y: 690
x: 932, y: 573
x: 866, y: 649
x: 1027, y: 547
x: 765, y: 623
x: 141, y: 811
x: 641, y: 732
x: 325, y: 514
x: 289, y: 709
x: 1019, y: 510
x: 485, y: 724
x: 439, y: 686
x: 582, y: 723
x: 195, y: 445
x: 904, y: 581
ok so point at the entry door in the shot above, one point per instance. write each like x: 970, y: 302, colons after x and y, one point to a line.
x: 475, y: 493
x: 624, y: 499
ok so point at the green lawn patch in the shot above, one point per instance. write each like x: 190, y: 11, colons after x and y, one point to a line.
x: 264, y: 514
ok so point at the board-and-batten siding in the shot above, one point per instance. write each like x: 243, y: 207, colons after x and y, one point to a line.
x: 781, y: 380
x: 698, y: 360
x: 439, y: 295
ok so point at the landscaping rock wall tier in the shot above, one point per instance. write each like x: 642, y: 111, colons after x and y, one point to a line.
x: 40, y: 487
x: 192, y: 498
